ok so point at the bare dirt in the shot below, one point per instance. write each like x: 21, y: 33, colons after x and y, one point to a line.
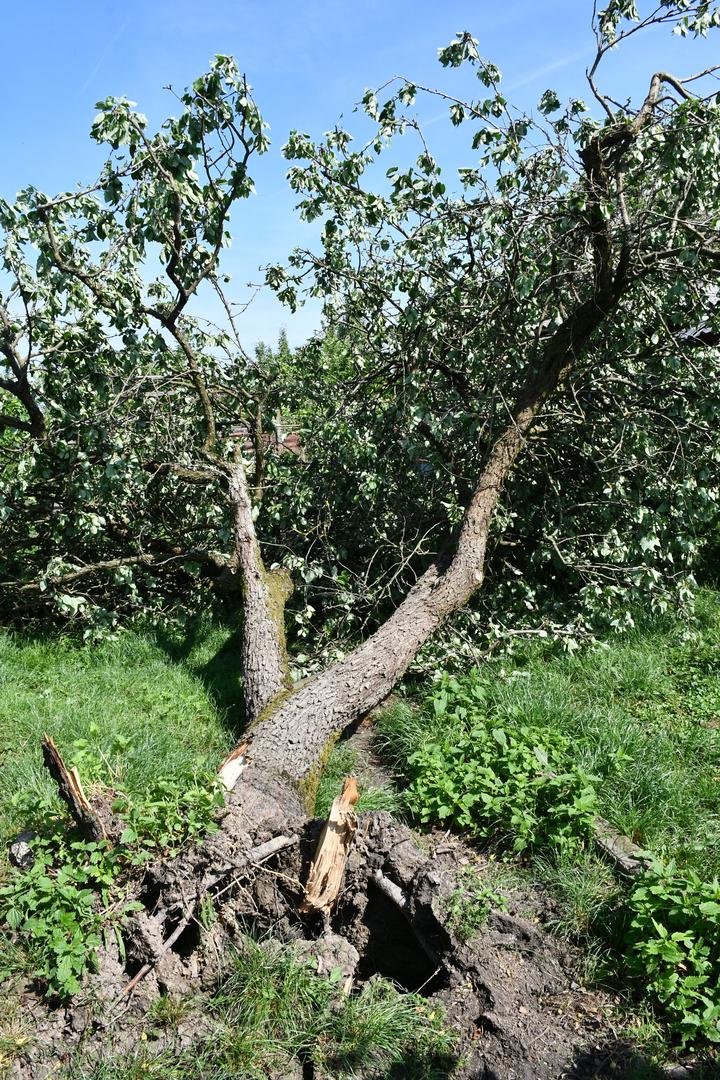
x: 512, y: 992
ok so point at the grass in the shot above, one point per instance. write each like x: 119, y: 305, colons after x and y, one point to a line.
x: 468, y: 906
x: 343, y: 761
x: 586, y: 889
x: 15, y: 1031
x: 274, y: 1011
x: 133, y: 702
x: 643, y: 716
x: 169, y: 1010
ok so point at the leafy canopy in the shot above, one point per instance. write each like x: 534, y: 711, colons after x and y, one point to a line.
x: 120, y: 404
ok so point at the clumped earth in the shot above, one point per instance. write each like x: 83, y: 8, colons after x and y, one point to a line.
x: 510, y: 989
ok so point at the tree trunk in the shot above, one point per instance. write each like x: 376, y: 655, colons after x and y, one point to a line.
x: 264, y: 659
x: 290, y: 739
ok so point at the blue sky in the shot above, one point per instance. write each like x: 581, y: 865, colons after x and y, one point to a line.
x: 309, y: 62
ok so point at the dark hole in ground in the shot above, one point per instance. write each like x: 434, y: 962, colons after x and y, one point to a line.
x: 132, y: 967
x: 188, y: 941
x: 150, y: 894
x: 394, y: 951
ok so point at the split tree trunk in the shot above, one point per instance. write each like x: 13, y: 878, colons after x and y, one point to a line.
x: 289, y: 732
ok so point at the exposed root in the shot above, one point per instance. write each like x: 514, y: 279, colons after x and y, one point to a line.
x: 508, y: 993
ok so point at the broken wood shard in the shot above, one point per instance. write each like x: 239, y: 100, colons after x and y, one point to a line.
x: 71, y: 792
x: 233, y: 766
x: 328, y: 866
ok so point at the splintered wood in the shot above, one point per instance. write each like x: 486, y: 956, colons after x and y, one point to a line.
x: 328, y: 866
x: 71, y: 792
x: 233, y: 766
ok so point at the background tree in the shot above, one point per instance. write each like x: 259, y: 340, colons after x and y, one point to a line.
x: 568, y: 283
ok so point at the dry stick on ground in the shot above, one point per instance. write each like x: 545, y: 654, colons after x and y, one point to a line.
x: 71, y: 792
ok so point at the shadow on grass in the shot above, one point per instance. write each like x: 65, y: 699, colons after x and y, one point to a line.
x: 219, y: 674
x: 421, y: 1066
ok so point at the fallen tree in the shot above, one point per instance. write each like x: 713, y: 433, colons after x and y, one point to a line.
x: 584, y: 259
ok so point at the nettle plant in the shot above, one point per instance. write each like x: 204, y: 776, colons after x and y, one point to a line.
x: 509, y: 783
x: 672, y: 947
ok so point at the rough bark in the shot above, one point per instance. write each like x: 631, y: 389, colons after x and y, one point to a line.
x: 264, y: 661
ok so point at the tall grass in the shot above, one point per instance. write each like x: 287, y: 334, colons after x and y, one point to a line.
x: 345, y: 760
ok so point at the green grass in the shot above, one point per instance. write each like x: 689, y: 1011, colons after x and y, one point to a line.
x: 343, y: 761
x: 586, y: 889
x: 643, y: 716
x: 143, y: 706
x: 274, y: 1011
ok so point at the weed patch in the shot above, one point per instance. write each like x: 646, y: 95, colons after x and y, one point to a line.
x: 274, y: 1011
x: 470, y: 903
x: 505, y: 780
x: 57, y: 911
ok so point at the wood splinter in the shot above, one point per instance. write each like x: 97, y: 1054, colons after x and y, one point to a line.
x: 234, y: 765
x: 328, y: 866
x: 71, y: 792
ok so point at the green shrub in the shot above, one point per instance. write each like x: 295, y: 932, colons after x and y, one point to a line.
x: 673, y: 946
x: 53, y: 911
x: 508, y: 781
